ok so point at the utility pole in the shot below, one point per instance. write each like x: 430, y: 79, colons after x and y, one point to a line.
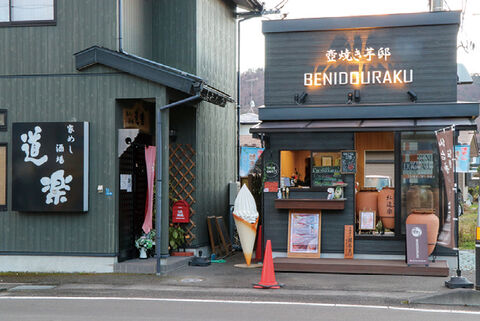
x: 477, y: 250
x: 251, y: 81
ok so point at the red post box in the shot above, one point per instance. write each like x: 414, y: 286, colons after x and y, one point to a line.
x: 181, y: 212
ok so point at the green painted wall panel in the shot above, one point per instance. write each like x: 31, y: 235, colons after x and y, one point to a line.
x: 71, y: 98
x: 137, y: 27
x: 48, y: 49
x: 38, y: 82
x: 216, y: 144
x: 174, y: 33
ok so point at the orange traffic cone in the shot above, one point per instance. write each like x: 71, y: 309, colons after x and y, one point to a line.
x: 268, y: 274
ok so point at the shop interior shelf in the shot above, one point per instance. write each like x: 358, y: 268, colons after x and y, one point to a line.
x: 310, y: 204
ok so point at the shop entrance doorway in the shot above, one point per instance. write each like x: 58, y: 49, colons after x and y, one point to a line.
x: 136, y: 127
x: 132, y: 196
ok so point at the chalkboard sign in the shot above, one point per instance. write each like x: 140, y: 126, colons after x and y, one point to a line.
x: 271, y: 170
x: 326, y: 175
x: 349, y: 162
x: 325, y: 169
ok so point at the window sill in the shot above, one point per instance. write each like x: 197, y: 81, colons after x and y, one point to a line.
x: 30, y: 23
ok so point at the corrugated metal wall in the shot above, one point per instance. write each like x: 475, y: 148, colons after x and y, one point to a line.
x: 205, y: 46
x: 174, y: 33
x: 216, y: 129
x: 70, y: 98
x: 38, y: 82
x: 429, y: 50
x: 137, y: 27
x: 49, y: 50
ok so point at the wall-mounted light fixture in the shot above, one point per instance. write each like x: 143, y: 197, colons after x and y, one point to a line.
x: 412, y: 95
x: 349, y: 98
x: 300, y: 98
x: 356, y: 95
x: 172, y: 133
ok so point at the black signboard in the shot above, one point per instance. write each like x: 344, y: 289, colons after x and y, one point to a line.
x: 50, y: 167
x: 326, y: 175
x: 417, y: 244
x: 271, y: 170
x: 349, y: 162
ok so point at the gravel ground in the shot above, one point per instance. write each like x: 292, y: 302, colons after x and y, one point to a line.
x: 467, y: 260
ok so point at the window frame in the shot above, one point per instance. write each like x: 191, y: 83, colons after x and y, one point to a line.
x: 30, y: 23
x: 397, y: 236
x: 4, y: 207
x: 310, y: 188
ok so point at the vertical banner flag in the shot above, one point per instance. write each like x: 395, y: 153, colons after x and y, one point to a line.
x: 445, y: 150
x: 248, y: 158
x: 462, y: 158
x: 150, y: 153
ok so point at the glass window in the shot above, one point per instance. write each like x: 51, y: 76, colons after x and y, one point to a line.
x: 303, y: 169
x: 295, y: 168
x: 419, y: 173
x: 27, y: 10
x: 32, y: 10
x: 375, y: 184
x: 379, y: 169
x: 326, y: 169
x: 4, y: 11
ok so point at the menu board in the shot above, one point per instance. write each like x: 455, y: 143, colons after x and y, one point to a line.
x: 349, y: 162
x: 304, y: 234
x: 326, y: 175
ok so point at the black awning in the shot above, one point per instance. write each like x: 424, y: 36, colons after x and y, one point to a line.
x: 151, y: 70
x: 249, y: 4
x: 362, y: 125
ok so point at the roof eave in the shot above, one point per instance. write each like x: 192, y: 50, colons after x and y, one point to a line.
x: 150, y: 70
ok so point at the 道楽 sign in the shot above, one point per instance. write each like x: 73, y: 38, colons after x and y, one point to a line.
x: 50, y: 167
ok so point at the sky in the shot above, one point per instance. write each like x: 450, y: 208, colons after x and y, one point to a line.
x: 252, y: 55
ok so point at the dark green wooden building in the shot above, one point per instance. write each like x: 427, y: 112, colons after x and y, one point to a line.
x: 96, y: 62
x: 376, y: 87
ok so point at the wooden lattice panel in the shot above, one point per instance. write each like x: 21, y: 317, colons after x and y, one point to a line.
x: 182, y: 177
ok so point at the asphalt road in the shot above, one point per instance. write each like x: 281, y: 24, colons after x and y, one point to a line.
x: 130, y: 308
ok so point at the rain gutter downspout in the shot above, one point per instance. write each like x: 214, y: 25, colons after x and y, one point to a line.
x: 159, y: 178
x: 120, y: 36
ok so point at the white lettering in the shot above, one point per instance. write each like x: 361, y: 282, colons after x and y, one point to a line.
x: 405, y: 80
x: 307, y: 79
x: 396, y: 76
x: 387, y: 77
x: 362, y: 78
x: 351, y: 78
x: 354, y: 78
x: 376, y: 76
x: 327, y: 78
x: 344, y: 80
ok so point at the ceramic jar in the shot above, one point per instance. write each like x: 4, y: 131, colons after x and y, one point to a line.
x: 366, y: 200
x: 428, y: 217
x: 386, y: 207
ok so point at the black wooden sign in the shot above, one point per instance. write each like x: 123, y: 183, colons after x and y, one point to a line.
x: 271, y: 170
x: 50, y: 167
x: 349, y: 162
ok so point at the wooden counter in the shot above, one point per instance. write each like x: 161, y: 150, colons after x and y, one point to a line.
x: 310, y: 204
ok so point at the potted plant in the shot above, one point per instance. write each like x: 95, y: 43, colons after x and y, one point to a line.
x: 145, y: 243
x: 176, y: 239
